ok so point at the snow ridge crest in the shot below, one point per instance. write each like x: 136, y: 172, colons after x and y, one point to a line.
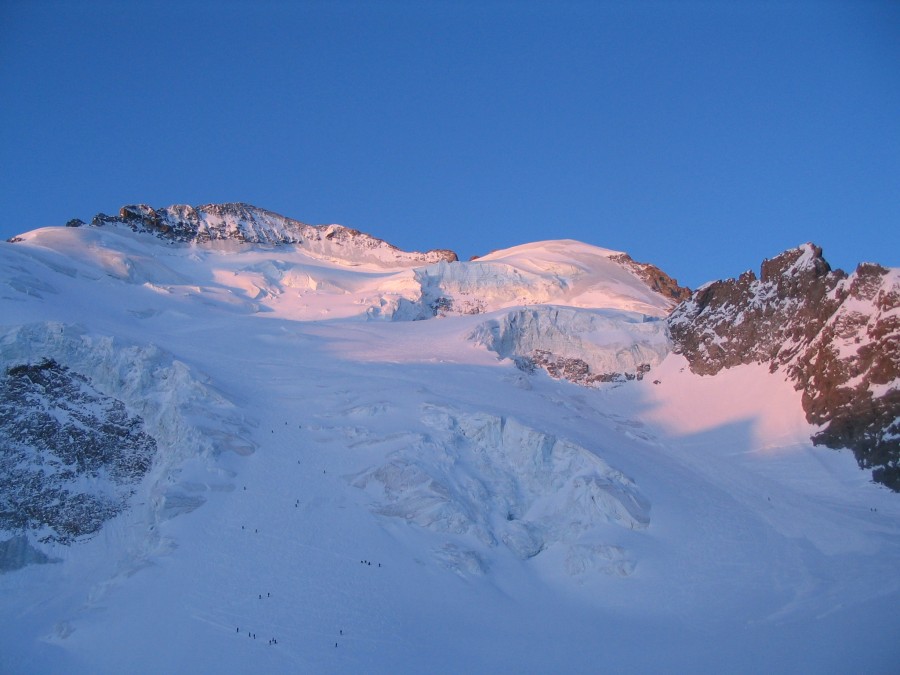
x: 249, y: 224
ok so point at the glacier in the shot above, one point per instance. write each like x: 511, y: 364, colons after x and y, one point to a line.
x: 363, y: 460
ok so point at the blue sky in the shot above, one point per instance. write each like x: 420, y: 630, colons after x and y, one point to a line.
x: 700, y: 136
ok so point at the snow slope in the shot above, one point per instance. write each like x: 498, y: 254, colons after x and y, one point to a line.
x: 390, y: 496
x: 589, y: 276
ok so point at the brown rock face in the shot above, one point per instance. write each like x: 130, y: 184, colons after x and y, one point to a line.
x: 836, y: 337
x: 654, y: 277
x: 852, y: 368
x: 750, y: 320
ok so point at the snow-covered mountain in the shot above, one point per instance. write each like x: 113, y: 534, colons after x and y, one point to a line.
x: 232, y: 442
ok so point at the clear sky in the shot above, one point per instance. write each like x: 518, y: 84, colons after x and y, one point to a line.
x: 700, y: 136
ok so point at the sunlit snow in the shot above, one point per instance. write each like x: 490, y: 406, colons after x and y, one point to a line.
x: 354, y: 475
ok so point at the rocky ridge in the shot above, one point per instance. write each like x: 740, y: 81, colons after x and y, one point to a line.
x: 837, y: 337
x: 655, y: 278
x: 253, y: 225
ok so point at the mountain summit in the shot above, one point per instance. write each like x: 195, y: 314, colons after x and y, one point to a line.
x: 253, y: 225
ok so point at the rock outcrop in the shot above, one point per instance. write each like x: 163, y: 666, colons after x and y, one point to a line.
x: 655, y: 278
x: 836, y: 336
x: 69, y: 455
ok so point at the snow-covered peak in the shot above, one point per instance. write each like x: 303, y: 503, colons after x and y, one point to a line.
x: 803, y: 261
x: 251, y: 224
x: 550, y: 250
x: 572, y: 273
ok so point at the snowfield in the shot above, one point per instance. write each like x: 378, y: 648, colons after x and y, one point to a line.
x: 356, y: 471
